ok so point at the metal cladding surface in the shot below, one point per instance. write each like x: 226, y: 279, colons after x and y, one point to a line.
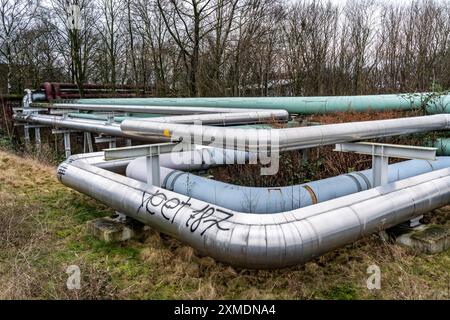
x: 256, y: 240
x: 278, y: 199
x: 126, y: 107
x: 74, y: 124
x: 285, y: 139
x: 226, y: 118
x: 113, y: 129
x: 300, y: 105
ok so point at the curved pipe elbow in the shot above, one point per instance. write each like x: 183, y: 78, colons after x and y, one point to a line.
x: 256, y: 240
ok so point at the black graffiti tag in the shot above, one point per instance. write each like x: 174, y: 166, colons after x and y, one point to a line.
x: 204, y: 218
x: 201, y: 217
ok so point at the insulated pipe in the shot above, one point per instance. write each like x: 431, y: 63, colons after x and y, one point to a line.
x: 171, y: 110
x: 255, y: 240
x: 113, y: 129
x: 235, y: 118
x: 200, y: 158
x: 279, y: 199
x: 104, y: 117
x: 443, y: 146
x: 299, y: 105
x: 74, y: 124
x: 288, y: 138
x: 225, y: 118
x: 440, y: 104
x: 249, y: 139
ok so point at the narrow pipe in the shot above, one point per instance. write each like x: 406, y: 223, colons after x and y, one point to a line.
x: 279, y: 199
x: 126, y: 107
x: 104, y: 117
x: 255, y: 240
x: 236, y: 118
x: 225, y: 118
x: 288, y: 138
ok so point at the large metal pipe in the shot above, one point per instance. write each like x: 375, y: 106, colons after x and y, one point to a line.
x: 299, y: 105
x: 288, y: 138
x: 278, y: 199
x: 114, y: 129
x: 439, y: 104
x: 255, y: 240
x: 248, y: 139
x: 200, y: 158
x: 86, y: 125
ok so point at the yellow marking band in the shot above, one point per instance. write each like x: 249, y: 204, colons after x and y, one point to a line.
x: 166, y: 133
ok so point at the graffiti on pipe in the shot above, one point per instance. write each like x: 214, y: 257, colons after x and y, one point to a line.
x: 200, y: 220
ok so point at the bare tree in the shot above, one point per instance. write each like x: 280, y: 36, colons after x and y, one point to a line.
x: 15, y: 17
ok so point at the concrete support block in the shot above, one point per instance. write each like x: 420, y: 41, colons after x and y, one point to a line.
x: 115, y: 230
x: 427, y: 238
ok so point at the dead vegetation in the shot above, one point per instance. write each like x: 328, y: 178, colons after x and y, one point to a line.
x: 43, y: 231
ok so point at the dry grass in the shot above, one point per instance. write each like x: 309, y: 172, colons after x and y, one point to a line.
x: 43, y: 230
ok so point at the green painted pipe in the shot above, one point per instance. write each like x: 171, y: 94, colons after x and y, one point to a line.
x: 299, y: 105
x: 443, y: 146
x: 439, y: 104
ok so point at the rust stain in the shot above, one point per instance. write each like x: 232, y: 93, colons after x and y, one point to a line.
x: 311, y: 193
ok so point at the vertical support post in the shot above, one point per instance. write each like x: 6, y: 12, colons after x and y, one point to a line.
x: 26, y: 134
x: 152, y: 165
x: 37, y: 137
x: 112, y: 143
x: 305, y: 154
x: 67, y: 149
x: 380, y: 167
x: 87, y: 143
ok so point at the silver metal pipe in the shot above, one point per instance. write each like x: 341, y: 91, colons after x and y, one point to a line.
x: 224, y: 118
x: 174, y: 110
x: 287, y: 138
x: 256, y: 240
x: 75, y: 124
x: 278, y: 199
x: 113, y: 129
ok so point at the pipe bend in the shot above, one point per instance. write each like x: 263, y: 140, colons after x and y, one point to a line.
x: 257, y: 240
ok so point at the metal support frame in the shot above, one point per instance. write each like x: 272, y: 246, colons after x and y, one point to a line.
x: 151, y: 152
x: 37, y: 138
x: 37, y: 133
x: 26, y: 134
x: 381, y: 152
x: 67, y: 148
x: 66, y: 134
x: 380, y: 160
x: 112, y: 141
